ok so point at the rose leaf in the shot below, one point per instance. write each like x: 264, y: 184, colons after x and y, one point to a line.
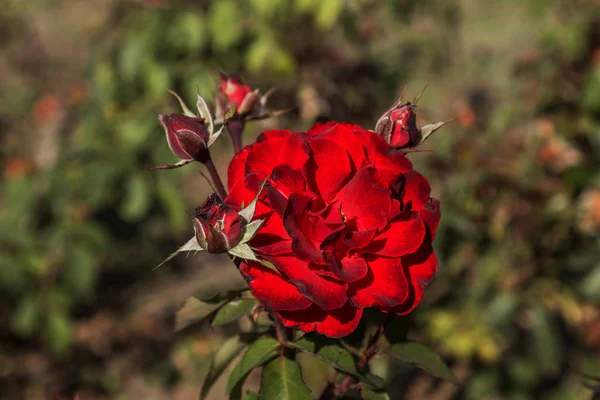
x: 423, y: 357
x: 232, y: 311
x: 282, y: 379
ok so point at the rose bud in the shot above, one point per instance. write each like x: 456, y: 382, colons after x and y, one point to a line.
x: 398, y: 126
x: 234, y: 94
x: 218, y: 226
x: 187, y: 137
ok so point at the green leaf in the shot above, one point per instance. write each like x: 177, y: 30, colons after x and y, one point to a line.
x: 251, y: 396
x: 243, y: 251
x: 190, y: 245
x: 251, y: 230
x: 428, y: 130
x: 257, y: 354
x: 233, y: 310
x: 204, y: 112
x: 219, y: 362
x: 330, y: 351
x: 248, y: 212
x: 282, y: 380
x: 186, y: 110
x: 423, y: 357
x: 194, y: 310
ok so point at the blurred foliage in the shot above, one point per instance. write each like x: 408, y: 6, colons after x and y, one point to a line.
x: 514, y: 306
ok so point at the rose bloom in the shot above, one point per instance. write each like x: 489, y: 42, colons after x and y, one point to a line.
x: 349, y: 225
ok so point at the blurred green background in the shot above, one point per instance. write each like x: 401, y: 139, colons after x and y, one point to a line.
x: 514, y: 306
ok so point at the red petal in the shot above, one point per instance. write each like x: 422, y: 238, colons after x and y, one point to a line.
x: 351, y: 137
x: 349, y: 269
x: 326, y: 293
x: 271, y: 289
x: 237, y: 167
x: 274, y: 148
x: 288, y: 180
x: 244, y: 193
x: 321, y: 127
x: 431, y: 214
x: 420, y: 267
x: 272, y: 238
x: 417, y: 191
x: 385, y: 285
x: 330, y: 167
x: 309, y: 228
x: 367, y: 199
x: 175, y: 146
x: 335, y: 323
x: 400, y: 237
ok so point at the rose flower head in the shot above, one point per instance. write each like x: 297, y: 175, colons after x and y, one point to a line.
x: 398, y: 126
x: 187, y: 136
x: 348, y: 225
x: 218, y: 226
x: 233, y: 94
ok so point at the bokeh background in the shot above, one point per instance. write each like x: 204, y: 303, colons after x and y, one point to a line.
x: 514, y: 306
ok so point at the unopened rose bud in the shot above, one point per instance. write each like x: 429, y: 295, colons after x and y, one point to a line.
x: 218, y: 226
x: 187, y: 137
x: 398, y: 126
x: 234, y: 94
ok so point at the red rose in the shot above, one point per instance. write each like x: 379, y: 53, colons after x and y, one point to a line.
x: 398, y: 126
x: 349, y: 225
x: 187, y: 137
x: 233, y: 93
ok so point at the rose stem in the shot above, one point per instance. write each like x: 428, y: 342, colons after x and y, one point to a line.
x: 236, y: 128
x: 284, y: 336
x: 210, y: 166
x: 368, y: 354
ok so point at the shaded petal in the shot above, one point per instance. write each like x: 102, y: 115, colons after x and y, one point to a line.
x: 272, y: 238
x: 297, y: 224
x: 385, y: 285
x: 349, y: 269
x: 244, y: 192
x: 417, y: 191
x: 367, y: 199
x: 175, y: 146
x: 402, y: 236
x: 326, y: 293
x: 237, y: 167
x: 334, y: 323
x: 272, y: 289
x: 288, y: 180
x: 420, y: 267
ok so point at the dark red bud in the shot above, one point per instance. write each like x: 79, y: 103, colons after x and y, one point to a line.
x: 219, y: 227
x: 187, y: 137
x: 398, y: 126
